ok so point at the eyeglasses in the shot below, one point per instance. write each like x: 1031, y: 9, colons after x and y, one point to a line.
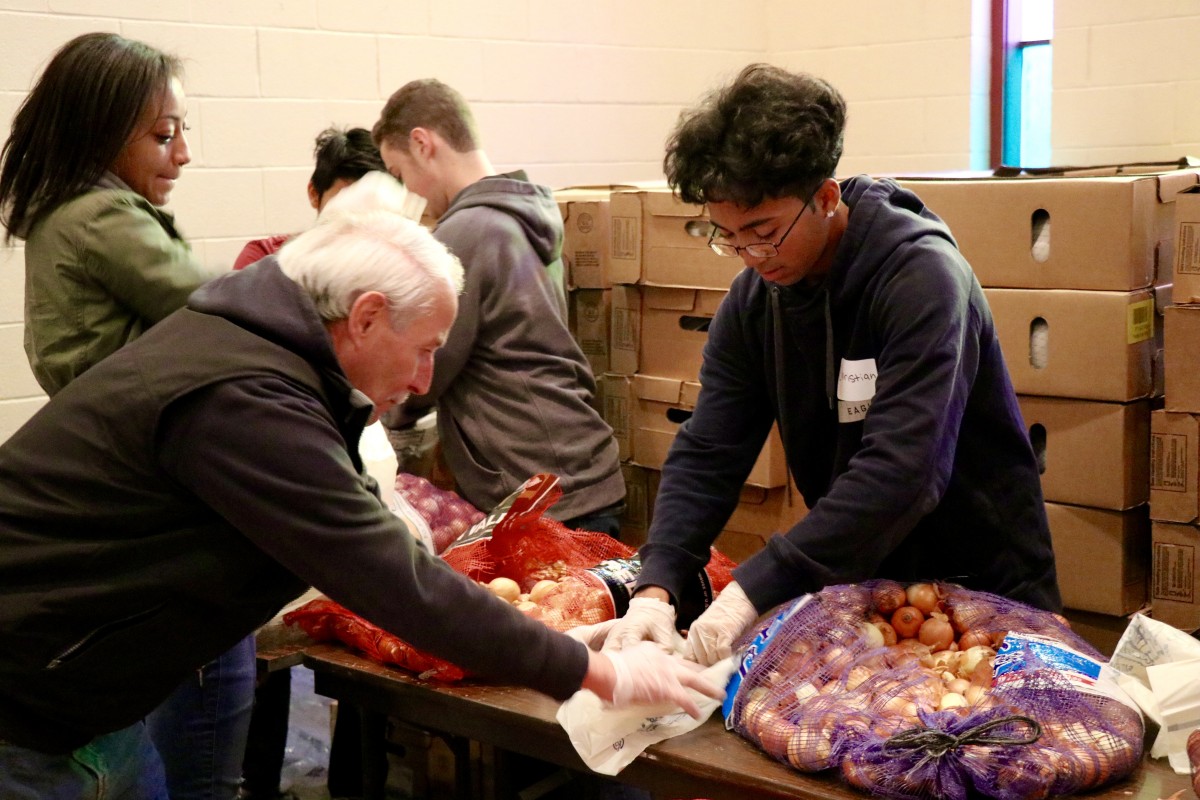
x: 757, y: 249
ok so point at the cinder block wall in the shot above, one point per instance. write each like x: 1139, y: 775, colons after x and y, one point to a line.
x: 584, y: 92
x: 1126, y: 81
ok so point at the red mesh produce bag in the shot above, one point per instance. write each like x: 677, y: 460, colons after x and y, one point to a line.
x: 326, y: 621
x: 562, y: 577
x: 1026, y: 710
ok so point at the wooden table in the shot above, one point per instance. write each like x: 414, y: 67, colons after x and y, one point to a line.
x: 709, y: 762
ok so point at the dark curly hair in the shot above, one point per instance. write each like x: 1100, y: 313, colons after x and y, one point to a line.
x: 344, y: 155
x: 770, y: 133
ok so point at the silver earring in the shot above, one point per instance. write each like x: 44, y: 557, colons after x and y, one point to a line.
x: 829, y: 214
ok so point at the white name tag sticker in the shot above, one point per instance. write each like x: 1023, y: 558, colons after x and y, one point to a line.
x: 855, y: 389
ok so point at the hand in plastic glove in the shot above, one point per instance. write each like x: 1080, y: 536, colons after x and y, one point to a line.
x: 710, y: 638
x: 646, y: 676
x: 593, y: 636
x: 647, y: 619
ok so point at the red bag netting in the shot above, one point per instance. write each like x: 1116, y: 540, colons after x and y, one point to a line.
x: 1032, y: 715
x: 562, y: 577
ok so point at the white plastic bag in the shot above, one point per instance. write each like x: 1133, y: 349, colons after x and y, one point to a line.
x: 608, y: 739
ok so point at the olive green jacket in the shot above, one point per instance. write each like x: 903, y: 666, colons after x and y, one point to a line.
x: 99, y: 270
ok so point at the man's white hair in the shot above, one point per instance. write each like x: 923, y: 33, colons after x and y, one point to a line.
x: 365, y: 242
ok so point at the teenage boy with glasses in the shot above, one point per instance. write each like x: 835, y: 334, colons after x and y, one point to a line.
x: 860, y: 329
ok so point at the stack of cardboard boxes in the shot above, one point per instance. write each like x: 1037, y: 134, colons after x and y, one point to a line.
x: 1077, y: 270
x: 1175, y: 436
x: 642, y: 254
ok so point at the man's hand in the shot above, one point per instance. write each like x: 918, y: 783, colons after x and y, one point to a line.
x: 643, y: 675
x: 648, y: 619
x: 711, y: 636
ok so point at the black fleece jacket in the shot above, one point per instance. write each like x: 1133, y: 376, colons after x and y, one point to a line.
x: 899, y: 421
x: 176, y: 495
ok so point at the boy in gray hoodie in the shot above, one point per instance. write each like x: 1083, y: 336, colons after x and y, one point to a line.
x: 513, y: 389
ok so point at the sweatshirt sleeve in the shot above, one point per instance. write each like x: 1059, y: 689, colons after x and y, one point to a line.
x: 927, y: 329
x: 144, y: 267
x: 272, y: 463
x: 711, y: 456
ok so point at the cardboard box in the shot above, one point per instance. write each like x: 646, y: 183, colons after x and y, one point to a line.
x: 1175, y: 589
x: 626, y: 329
x: 1085, y: 345
x: 661, y: 405
x: 639, y: 504
x: 1174, y: 459
x: 674, y: 330
x: 1187, y: 245
x: 1181, y: 343
x: 589, y: 313
x: 1093, y: 233
x: 587, y: 234
x: 618, y: 411
x: 760, y: 514
x: 1103, y: 557
x: 660, y: 240
x: 1091, y: 453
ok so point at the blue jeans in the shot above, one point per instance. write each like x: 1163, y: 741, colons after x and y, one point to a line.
x: 122, y: 765
x: 200, y: 730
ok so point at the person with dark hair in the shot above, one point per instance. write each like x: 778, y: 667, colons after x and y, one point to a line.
x: 512, y: 389
x: 342, y: 156
x: 94, y: 152
x: 217, y: 458
x: 860, y: 329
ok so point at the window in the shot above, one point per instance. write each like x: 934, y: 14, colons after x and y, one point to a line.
x: 1021, y: 82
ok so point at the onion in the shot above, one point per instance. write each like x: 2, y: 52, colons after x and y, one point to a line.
x: 907, y: 621
x: 974, y: 638
x: 541, y: 589
x: 873, y: 635
x: 505, y: 588
x: 936, y: 632
x: 888, y: 632
x: 922, y: 596
x: 887, y: 596
x: 951, y: 700
x: 971, y: 658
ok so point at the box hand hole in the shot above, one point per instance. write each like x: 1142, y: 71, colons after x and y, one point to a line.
x: 1039, y: 343
x: 1039, y: 237
x: 1037, y: 438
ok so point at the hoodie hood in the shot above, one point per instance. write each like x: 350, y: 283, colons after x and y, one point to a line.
x: 261, y: 299
x: 869, y: 200
x: 530, y: 204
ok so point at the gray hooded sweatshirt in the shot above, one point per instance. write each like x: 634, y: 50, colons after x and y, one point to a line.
x: 512, y: 387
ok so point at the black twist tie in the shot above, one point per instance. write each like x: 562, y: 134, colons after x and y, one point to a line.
x: 937, y: 743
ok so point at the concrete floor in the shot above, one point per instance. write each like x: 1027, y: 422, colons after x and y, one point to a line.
x: 306, y: 759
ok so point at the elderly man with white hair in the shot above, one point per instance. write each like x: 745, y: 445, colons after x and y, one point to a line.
x: 174, y: 497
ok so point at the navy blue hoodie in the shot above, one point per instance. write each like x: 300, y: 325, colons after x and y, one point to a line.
x: 899, y: 421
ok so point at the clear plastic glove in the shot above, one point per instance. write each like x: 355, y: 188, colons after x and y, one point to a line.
x: 646, y: 676
x: 593, y: 636
x: 647, y: 619
x: 711, y: 637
